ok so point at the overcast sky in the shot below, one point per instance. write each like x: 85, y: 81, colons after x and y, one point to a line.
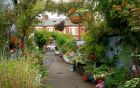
x: 55, y: 15
x: 61, y: 0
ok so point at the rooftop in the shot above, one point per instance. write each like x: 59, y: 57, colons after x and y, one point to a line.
x: 52, y: 22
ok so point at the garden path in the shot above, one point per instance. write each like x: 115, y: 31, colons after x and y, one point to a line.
x: 59, y: 75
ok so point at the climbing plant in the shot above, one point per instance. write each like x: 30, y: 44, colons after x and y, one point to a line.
x: 120, y: 15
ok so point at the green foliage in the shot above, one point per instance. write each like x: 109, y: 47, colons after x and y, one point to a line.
x: 133, y: 83
x: 31, y: 43
x: 122, y: 15
x: 35, y: 57
x: 89, y: 67
x: 100, y: 52
x: 19, y: 74
x: 69, y: 45
x: 23, y: 15
x: 101, y: 72
x: 101, y: 69
x: 60, y: 38
x: 27, y: 11
x: 98, y: 72
x: 134, y: 19
x: 119, y: 77
x: 39, y: 62
x: 95, y: 42
x: 61, y: 8
x: 65, y: 42
x: 42, y: 38
x: 4, y: 24
x: 116, y: 12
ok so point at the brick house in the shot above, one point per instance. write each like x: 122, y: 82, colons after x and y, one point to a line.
x: 74, y: 29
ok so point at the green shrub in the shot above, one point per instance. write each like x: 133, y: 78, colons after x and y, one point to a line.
x: 119, y: 77
x: 133, y: 83
x: 39, y: 62
x: 19, y: 74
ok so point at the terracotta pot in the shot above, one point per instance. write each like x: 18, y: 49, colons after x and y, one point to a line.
x: 76, y: 18
x: 84, y: 77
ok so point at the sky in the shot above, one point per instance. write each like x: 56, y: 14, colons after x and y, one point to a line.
x: 55, y: 15
x: 8, y: 3
x: 61, y: 0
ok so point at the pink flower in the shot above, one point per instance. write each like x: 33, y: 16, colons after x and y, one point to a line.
x: 100, y: 85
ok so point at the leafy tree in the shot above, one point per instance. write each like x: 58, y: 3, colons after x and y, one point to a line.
x: 23, y: 15
x: 121, y: 15
x: 27, y: 12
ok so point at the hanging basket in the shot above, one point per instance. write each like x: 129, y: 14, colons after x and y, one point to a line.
x: 76, y: 18
x: 72, y: 10
x: 87, y: 16
x: 60, y: 26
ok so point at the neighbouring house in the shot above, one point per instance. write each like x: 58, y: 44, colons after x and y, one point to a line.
x: 74, y: 29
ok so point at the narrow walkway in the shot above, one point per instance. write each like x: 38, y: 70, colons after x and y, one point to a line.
x: 59, y: 75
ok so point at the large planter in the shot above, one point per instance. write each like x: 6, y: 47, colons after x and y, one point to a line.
x: 88, y: 77
x: 85, y: 77
x: 76, y: 18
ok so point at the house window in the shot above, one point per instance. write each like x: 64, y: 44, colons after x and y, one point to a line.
x: 50, y: 28
x: 65, y: 31
x: 74, y: 30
